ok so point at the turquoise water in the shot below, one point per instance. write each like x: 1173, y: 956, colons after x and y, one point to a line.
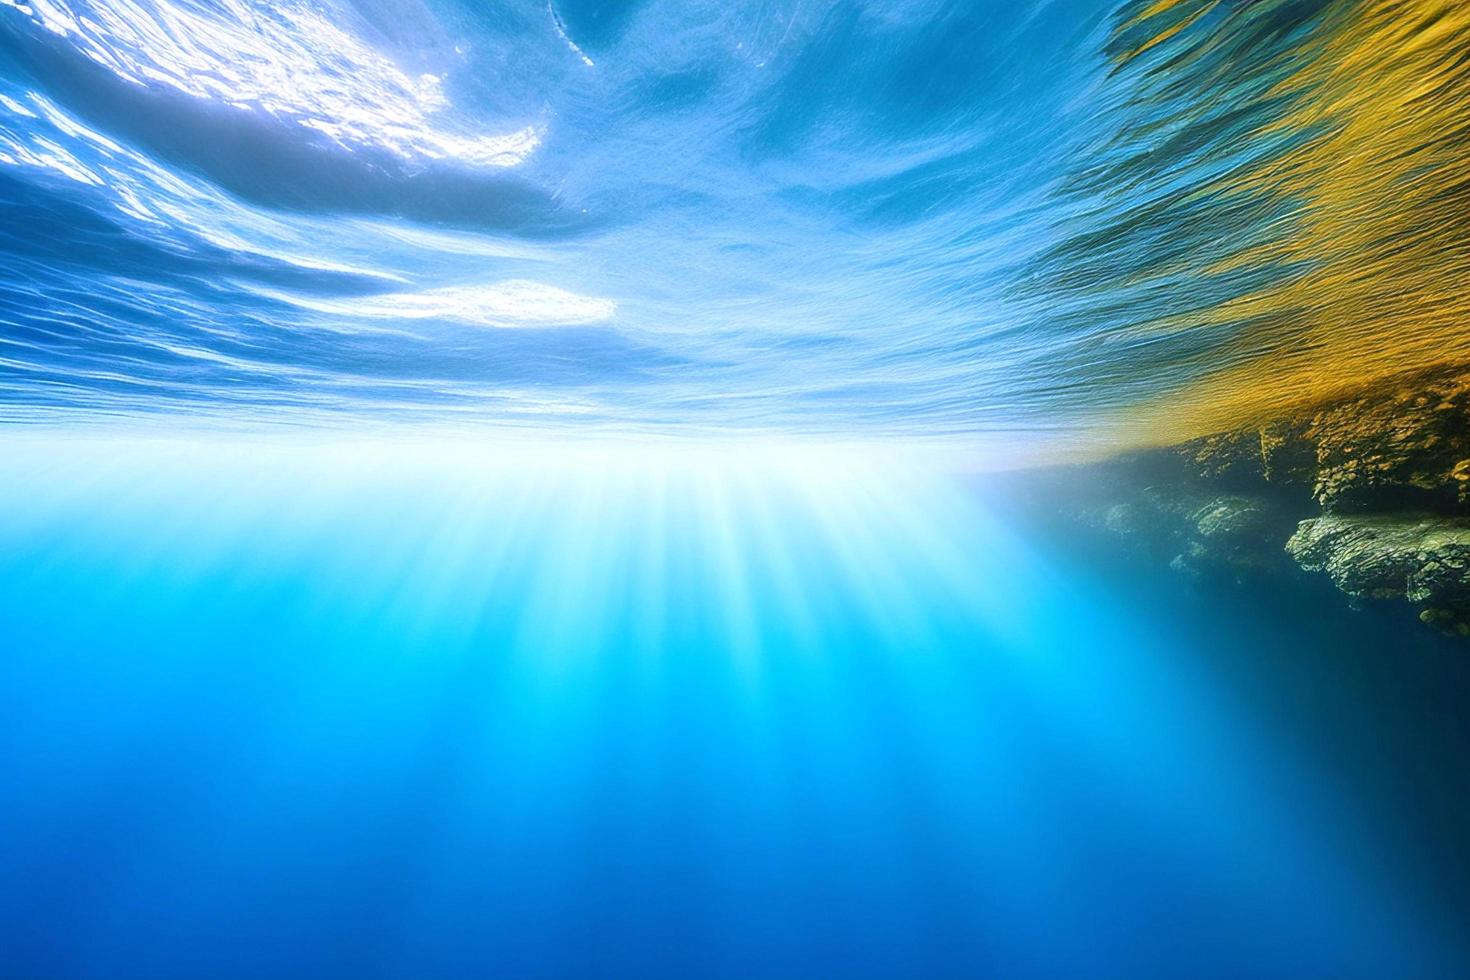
x: 498, y: 489
x: 305, y: 712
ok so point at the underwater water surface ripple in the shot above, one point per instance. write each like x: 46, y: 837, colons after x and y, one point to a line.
x: 971, y: 220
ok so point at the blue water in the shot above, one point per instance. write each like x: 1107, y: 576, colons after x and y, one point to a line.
x: 336, y: 713
x: 493, y: 489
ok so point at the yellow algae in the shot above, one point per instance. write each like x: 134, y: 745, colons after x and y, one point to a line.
x: 1379, y: 199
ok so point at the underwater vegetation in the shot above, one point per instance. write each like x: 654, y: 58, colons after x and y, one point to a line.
x: 1276, y: 233
x: 1280, y: 215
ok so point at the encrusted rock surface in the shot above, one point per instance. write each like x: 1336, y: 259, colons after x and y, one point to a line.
x: 1203, y: 535
x: 1228, y: 535
x: 1373, y: 491
x: 1422, y: 558
x: 1402, y: 446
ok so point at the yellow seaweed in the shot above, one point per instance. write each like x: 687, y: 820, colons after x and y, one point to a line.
x: 1380, y: 202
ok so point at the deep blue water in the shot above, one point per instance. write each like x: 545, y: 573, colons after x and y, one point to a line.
x: 300, y: 713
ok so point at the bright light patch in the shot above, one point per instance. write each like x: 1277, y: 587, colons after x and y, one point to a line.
x: 287, y: 61
x: 580, y: 609
x: 509, y: 304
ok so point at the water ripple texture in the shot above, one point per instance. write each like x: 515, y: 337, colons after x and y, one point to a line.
x: 1032, y: 226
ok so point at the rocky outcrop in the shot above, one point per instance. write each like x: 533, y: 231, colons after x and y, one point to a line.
x: 1422, y: 558
x: 1398, y: 447
x: 1202, y: 535
x: 1230, y: 536
x: 1373, y: 491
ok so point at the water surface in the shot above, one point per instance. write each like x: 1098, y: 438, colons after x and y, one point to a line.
x: 1028, y: 228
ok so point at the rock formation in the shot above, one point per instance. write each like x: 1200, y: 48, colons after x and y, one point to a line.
x: 1372, y: 490
x: 1422, y: 558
